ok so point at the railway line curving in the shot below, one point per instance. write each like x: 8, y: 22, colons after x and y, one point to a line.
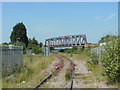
x: 60, y: 65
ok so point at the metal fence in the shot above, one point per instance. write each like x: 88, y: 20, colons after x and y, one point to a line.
x: 12, y: 56
x: 96, y: 54
x: 97, y: 50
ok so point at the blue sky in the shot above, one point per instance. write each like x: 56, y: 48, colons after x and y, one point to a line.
x: 0, y: 22
x: 50, y: 19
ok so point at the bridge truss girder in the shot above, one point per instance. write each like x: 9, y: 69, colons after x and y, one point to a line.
x: 66, y: 41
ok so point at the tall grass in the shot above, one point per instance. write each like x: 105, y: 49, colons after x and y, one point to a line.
x: 80, y: 55
x: 85, y: 56
x: 30, y: 73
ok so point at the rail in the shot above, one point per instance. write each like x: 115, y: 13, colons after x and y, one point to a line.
x: 50, y: 75
x: 73, y: 69
x: 72, y: 77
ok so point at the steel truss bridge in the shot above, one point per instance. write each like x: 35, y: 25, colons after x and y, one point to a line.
x: 66, y: 41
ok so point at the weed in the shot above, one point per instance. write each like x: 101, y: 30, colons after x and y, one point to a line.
x: 67, y: 76
x: 87, y: 82
x: 78, y: 74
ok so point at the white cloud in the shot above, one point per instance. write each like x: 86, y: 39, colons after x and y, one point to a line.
x: 97, y: 17
x: 111, y: 16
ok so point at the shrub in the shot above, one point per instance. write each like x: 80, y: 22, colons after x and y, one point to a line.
x: 110, y: 60
x: 37, y: 50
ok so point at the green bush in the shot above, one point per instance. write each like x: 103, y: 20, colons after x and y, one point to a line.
x: 37, y: 50
x: 110, y: 60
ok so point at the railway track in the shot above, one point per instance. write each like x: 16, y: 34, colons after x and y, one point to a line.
x: 57, y: 69
x: 73, y: 69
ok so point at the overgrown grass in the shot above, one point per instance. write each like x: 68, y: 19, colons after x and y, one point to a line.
x: 96, y: 69
x: 0, y: 83
x: 80, y: 55
x: 30, y: 73
x: 78, y: 74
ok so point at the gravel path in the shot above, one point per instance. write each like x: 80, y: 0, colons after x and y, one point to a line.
x: 86, y: 79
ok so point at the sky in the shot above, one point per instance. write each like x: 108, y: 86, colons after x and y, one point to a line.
x: 0, y: 22
x: 45, y: 20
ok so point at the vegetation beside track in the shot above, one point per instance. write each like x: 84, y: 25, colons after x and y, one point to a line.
x: 30, y: 73
x: 110, y: 60
x: 34, y: 65
x: 97, y: 70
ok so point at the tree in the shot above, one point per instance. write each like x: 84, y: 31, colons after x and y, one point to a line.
x: 5, y: 43
x: 107, y: 38
x: 32, y: 43
x: 34, y: 46
x: 41, y: 44
x: 19, y: 34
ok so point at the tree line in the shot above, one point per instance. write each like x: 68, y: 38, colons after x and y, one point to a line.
x: 19, y: 37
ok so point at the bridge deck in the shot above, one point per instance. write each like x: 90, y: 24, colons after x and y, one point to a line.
x: 66, y: 41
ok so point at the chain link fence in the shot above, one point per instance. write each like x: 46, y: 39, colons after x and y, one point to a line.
x: 97, y: 50
x: 10, y: 57
x: 96, y: 54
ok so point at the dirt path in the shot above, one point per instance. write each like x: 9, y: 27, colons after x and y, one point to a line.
x: 86, y: 79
